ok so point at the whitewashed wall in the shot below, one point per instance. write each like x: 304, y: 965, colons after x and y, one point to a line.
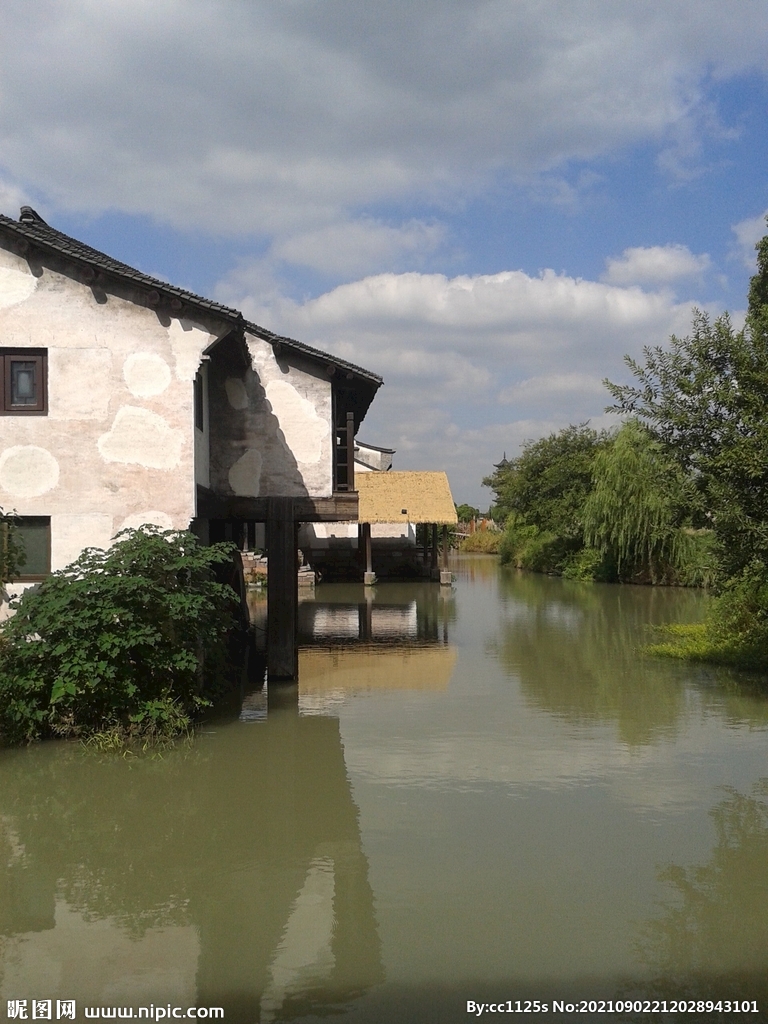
x: 273, y: 427
x: 116, y: 448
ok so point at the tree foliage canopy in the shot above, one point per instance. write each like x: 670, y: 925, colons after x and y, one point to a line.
x: 638, y: 507
x: 546, y: 485
x: 705, y: 400
x: 466, y: 513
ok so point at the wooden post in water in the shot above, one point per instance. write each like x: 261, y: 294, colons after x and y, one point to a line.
x: 433, y: 559
x: 369, y: 576
x: 282, y: 591
x: 445, y: 573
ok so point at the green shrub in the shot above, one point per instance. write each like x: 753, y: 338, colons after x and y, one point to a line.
x: 517, y: 534
x: 11, y: 552
x: 736, y: 630
x: 589, y: 565
x: 698, y: 563
x: 527, y: 547
x: 482, y: 542
x: 123, y: 639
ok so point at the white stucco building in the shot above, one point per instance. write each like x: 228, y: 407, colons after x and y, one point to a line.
x: 126, y: 400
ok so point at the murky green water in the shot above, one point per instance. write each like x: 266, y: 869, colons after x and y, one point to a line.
x: 483, y: 794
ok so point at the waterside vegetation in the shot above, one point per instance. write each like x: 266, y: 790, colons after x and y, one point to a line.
x: 678, y: 494
x: 600, y: 505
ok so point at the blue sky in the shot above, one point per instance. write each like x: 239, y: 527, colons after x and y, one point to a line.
x: 487, y: 202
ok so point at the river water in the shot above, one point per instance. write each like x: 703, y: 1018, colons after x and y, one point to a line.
x: 485, y: 792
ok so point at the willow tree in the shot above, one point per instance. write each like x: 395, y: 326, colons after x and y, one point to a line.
x: 638, y: 506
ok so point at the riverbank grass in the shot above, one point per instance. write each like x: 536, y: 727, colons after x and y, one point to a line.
x: 735, y: 633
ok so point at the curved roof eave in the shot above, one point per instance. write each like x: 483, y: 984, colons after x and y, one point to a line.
x: 32, y: 232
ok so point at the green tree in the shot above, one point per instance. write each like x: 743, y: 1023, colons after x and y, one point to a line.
x: 466, y: 513
x: 705, y: 400
x: 639, y: 507
x: 119, y: 640
x: 540, y: 495
x: 546, y: 485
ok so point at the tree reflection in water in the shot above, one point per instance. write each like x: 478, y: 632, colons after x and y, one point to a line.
x: 711, y: 939
x: 577, y: 649
x: 244, y: 851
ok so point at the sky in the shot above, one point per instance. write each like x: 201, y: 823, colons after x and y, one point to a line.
x: 487, y: 202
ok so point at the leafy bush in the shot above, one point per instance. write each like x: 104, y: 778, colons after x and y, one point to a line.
x: 482, y: 542
x: 589, y: 565
x: 698, y: 565
x: 527, y: 547
x: 121, y: 639
x: 11, y: 552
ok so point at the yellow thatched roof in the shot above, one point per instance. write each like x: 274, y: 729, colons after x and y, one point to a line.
x: 405, y: 498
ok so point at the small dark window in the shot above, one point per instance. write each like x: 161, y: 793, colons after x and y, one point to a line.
x: 34, y: 534
x: 25, y: 387
x: 199, y: 402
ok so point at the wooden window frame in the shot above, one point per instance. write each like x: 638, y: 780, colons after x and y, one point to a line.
x: 36, y: 577
x: 27, y: 355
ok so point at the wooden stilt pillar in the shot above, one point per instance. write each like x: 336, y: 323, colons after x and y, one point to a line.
x: 365, y: 617
x: 433, y: 554
x: 369, y: 576
x: 282, y: 591
x: 445, y: 574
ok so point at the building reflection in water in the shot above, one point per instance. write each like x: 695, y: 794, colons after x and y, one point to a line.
x: 229, y: 874
x: 357, y: 640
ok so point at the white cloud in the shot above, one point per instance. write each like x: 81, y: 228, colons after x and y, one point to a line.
x: 458, y: 355
x: 553, y: 386
x: 355, y: 247
x: 12, y: 198
x: 748, y: 232
x: 288, y: 118
x: 655, y: 265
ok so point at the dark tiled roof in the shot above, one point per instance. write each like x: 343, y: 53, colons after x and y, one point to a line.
x: 32, y: 229
x: 375, y: 447
x: 312, y: 353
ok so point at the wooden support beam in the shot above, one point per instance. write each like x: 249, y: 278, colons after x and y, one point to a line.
x: 282, y: 591
x: 433, y: 561
x: 445, y: 548
x: 350, y: 451
x: 333, y: 508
